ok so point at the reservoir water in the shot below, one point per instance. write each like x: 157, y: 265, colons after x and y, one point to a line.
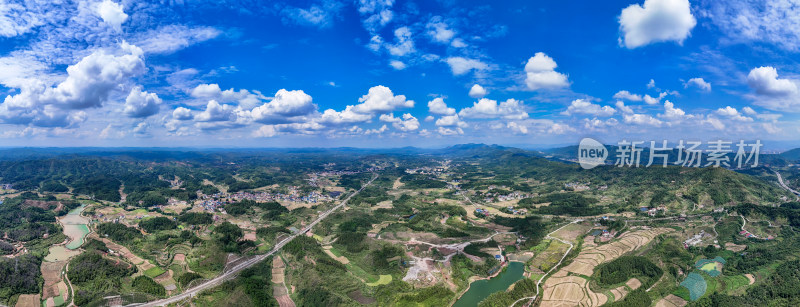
x: 480, y: 289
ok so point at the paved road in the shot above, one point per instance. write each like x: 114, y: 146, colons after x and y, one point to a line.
x: 780, y: 181
x: 211, y: 283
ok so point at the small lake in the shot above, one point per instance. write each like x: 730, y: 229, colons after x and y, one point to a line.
x: 480, y: 289
x: 75, y: 227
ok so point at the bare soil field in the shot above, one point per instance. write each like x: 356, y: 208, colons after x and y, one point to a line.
x: 734, y: 247
x: 28, y: 300
x: 671, y: 301
x: 571, y: 232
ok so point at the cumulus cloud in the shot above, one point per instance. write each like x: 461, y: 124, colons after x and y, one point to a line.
x: 623, y: 108
x: 487, y: 108
x: 540, y: 73
x: 244, y: 97
x: 654, y: 100
x: 641, y: 119
x: 764, y: 80
x: 377, y: 13
x: 141, y: 104
x: 581, y: 106
x: 287, y: 106
x: 181, y: 113
x: 733, y: 114
x: 451, y: 121
x: 112, y: 13
x: 407, y: 123
x: 439, y: 107
x: 449, y: 131
x: 771, y: 91
x: 380, y: 99
x: 698, y: 83
x: 656, y: 21
x: 461, y: 65
x: 347, y: 116
x: 477, y: 91
x: 88, y: 84
x: 673, y: 114
x: 221, y: 116
x: 627, y: 96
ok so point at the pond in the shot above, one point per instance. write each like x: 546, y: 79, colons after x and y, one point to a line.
x: 480, y: 289
x: 75, y: 227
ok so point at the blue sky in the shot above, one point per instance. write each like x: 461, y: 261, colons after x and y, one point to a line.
x: 396, y: 73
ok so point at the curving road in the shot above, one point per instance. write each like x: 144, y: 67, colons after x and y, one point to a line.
x: 533, y: 298
x: 783, y: 185
x: 216, y: 281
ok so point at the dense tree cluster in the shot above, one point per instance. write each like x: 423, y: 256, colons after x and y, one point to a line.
x: 157, y: 224
x: 624, y: 268
x: 196, y: 218
x: 96, y: 275
x: 147, y: 285
x: 118, y: 232
x: 19, y: 275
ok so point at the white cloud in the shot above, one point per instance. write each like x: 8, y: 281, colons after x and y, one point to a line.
x: 460, y: 65
x: 458, y: 43
x: 487, y: 108
x: 181, y: 113
x: 733, y: 114
x: 286, y: 107
x: 673, y: 114
x: 112, y: 13
x: 623, y: 108
x: 656, y: 21
x: 581, y: 106
x: 439, y: 107
x: 451, y: 121
x: 404, y: 44
x: 16, y: 19
x: 641, y: 119
x: 380, y: 99
x: 764, y: 80
x: 439, y: 31
x: 749, y: 111
x: 244, y: 97
x: 517, y: 128
x: 477, y: 91
x: 698, y: 83
x: 380, y: 130
x: 407, y: 123
x: 320, y: 16
x: 540, y: 73
x: 215, y: 112
x: 772, y: 21
x: 170, y: 38
x: 398, y: 65
x: 714, y: 122
x: 378, y: 14
x: 88, y: 84
x: 773, y: 92
x: 627, y: 96
x: 448, y: 131
x: 654, y: 100
x: 141, y: 104
x: 347, y: 116
x: 651, y: 84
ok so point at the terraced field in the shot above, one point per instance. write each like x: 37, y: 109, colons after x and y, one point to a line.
x: 570, y: 285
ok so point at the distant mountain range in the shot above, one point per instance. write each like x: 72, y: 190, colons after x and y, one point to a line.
x: 567, y: 153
